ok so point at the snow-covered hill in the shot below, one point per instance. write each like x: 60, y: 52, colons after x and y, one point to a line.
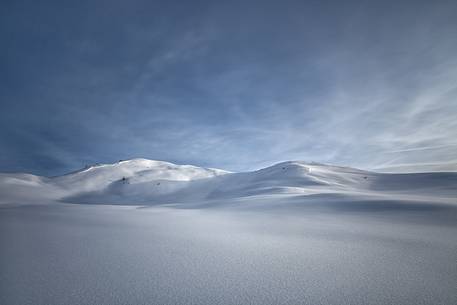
x: 292, y: 233
x: 142, y: 181
x: 135, y: 171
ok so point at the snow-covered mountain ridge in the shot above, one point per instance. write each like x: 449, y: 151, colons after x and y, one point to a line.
x: 143, y: 181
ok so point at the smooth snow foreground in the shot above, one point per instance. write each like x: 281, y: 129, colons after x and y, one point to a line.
x: 151, y: 232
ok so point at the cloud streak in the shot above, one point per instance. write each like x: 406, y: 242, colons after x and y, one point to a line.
x: 230, y: 86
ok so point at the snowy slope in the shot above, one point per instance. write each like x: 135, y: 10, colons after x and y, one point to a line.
x: 142, y: 181
x: 24, y: 188
x: 134, y: 171
x: 292, y: 233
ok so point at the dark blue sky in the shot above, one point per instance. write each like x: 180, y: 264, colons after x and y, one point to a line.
x: 229, y: 84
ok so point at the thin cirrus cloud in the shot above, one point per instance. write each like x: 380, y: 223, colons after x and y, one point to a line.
x: 229, y: 85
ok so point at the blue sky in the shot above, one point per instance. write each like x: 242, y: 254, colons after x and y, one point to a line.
x: 236, y: 85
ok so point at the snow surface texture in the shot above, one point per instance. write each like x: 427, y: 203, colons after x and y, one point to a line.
x: 152, y: 232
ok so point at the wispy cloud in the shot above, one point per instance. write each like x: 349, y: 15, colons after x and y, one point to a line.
x: 232, y: 86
